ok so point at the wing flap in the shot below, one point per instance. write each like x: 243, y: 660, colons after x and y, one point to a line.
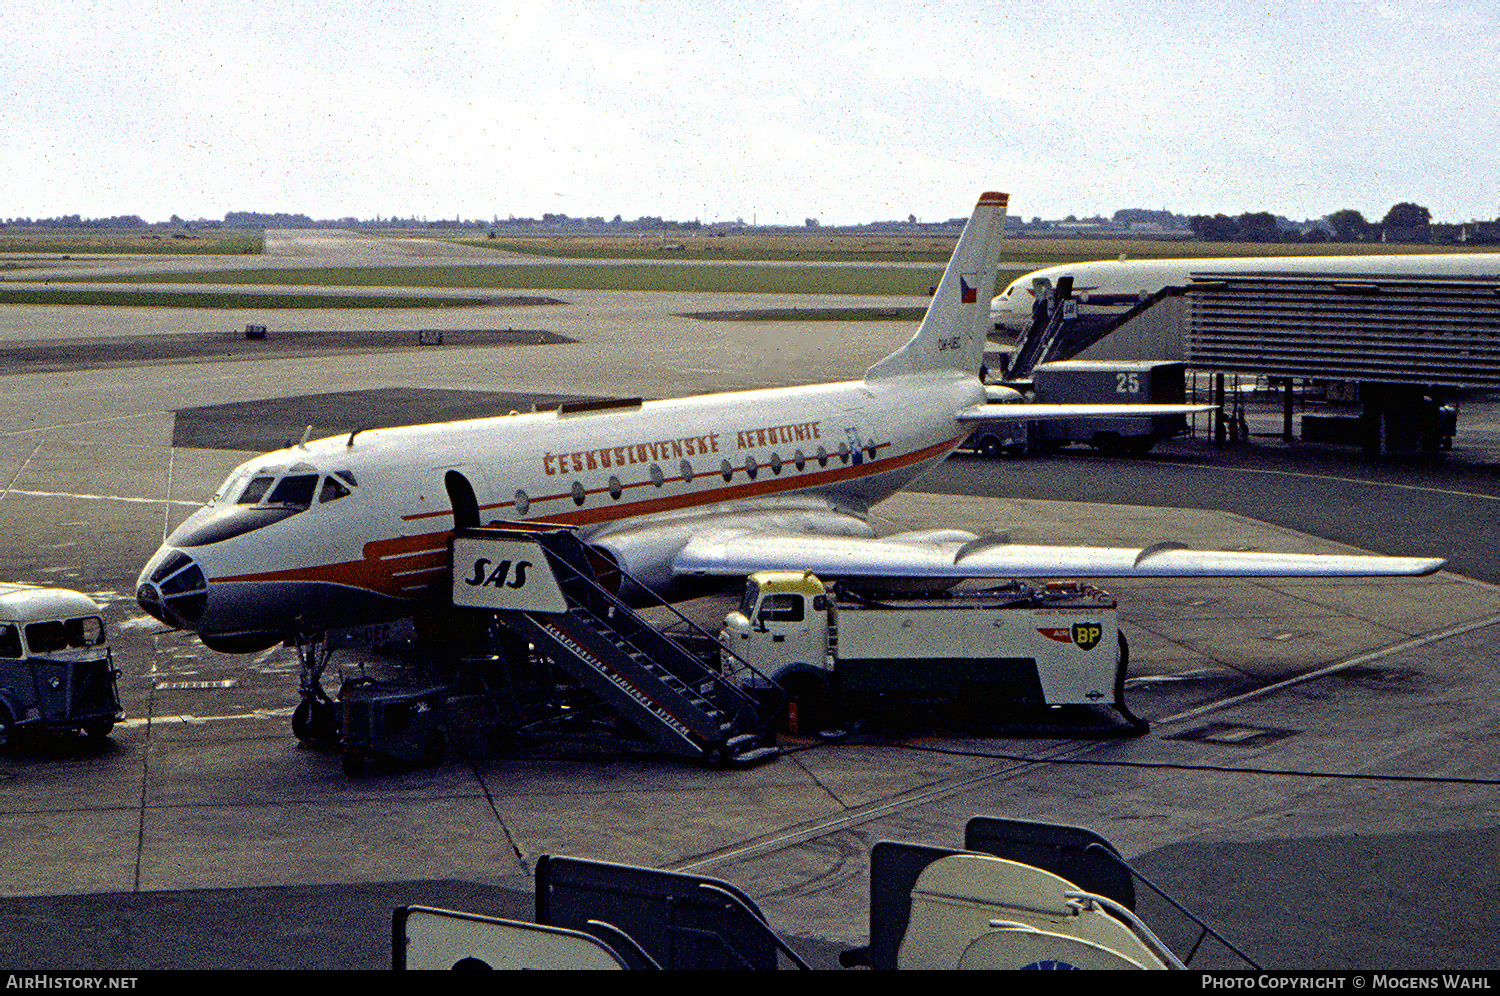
x: 849, y: 557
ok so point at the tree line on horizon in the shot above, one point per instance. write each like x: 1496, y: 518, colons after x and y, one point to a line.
x: 1404, y: 222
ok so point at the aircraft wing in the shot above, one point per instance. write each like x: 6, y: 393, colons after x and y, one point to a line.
x: 742, y: 553
x: 1022, y: 411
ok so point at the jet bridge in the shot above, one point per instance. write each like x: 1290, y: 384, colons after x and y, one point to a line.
x: 1410, y: 342
x: 540, y: 584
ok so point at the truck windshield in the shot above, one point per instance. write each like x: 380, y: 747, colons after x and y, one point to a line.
x: 10, y: 640
x: 54, y: 635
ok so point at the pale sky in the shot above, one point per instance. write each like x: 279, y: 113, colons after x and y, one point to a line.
x: 844, y: 111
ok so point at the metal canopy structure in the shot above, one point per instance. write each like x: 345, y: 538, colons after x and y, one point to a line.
x: 1436, y: 332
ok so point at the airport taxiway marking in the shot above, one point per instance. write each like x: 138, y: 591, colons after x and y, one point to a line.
x: 67, y: 494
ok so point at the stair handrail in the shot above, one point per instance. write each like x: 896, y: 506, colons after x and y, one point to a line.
x: 544, y: 530
x: 1206, y: 931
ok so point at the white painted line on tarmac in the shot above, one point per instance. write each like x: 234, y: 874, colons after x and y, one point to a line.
x: 1405, y: 645
x: 188, y: 719
x: 65, y: 494
x: 74, y: 425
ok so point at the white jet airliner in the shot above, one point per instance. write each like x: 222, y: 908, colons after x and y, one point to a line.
x: 1110, y: 288
x: 354, y: 528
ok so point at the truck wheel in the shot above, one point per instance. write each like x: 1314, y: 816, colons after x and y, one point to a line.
x: 989, y: 446
x: 99, y: 730
x: 7, y: 728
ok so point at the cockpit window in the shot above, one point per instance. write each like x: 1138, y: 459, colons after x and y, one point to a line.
x: 295, y: 490
x: 255, y: 490
x: 348, y: 478
x: 332, y: 490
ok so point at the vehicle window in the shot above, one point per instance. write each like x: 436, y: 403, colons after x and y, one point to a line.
x: 332, y: 490
x: 85, y: 632
x: 348, y: 478
x: 254, y: 490
x: 784, y: 608
x: 10, y: 640
x: 46, y: 637
x: 294, y: 489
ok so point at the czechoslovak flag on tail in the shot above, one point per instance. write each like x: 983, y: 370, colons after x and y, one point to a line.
x: 968, y: 284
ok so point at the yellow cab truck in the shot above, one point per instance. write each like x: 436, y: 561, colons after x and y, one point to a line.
x: 834, y: 652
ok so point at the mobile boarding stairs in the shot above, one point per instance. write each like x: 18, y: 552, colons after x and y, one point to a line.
x: 540, y: 584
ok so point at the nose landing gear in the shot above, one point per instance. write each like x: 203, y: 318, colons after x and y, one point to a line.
x: 315, y: 721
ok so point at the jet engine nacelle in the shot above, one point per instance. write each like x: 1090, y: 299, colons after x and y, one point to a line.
x: 646, y: 551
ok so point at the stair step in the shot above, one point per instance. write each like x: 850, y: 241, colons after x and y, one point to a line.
x: 751, y: 756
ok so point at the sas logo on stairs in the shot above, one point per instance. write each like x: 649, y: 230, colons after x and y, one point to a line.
x: 1085, y: 636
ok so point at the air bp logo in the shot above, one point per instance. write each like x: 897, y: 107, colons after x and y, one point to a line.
x: 1087, y: 635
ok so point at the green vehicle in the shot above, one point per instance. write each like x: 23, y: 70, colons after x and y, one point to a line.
x: 57, y: 674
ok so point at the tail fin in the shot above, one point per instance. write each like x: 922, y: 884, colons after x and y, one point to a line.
x: 954, y: 330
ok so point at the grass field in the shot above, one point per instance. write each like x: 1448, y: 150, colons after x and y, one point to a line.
x: 800, y: 247
x: 784, y: 270
x: 68, y: 242
x: 729, y: 278
x: 171, y: 299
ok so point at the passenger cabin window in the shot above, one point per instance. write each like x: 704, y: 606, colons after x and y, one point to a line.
x: 10, y: 640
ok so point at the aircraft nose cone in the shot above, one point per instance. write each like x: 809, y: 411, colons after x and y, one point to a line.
x: 174, y: 591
